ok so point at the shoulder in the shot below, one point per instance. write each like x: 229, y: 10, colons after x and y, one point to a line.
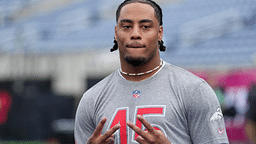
x: 91, y: 98
x: 95, y: 92
x: 181, y: 72
x: 181, y: 77
x: 188, y: 86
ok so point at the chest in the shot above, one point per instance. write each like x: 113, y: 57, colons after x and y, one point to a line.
x: 163, y: 109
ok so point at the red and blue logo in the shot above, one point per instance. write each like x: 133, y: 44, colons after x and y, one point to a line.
x: 136, y: 94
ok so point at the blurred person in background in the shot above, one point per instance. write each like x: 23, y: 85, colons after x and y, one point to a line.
x: 165, y: 103
x: 5, y: 107
x: 251, y: 116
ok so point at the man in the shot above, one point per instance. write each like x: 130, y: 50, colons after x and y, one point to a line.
x: 147, y: 100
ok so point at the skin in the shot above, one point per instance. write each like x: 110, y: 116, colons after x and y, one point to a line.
x: 107, y: 138
x: 137, y: 33
x: 151, y: 136
x: 250, y: 130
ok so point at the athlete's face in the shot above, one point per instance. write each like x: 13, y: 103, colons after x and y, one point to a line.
x: 137, y: 33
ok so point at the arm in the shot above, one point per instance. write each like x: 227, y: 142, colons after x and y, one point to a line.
x: 85, y: 130
x: 250, y: 130
x: 250, y: 127
x: 84, y: 122
x: 205, y: 119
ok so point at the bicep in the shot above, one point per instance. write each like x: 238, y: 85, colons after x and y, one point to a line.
x: 204, y: 120
x: 84, y: 125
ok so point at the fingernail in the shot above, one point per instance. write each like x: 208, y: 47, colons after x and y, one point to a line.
x: 129, y: 123
x: 118, y: 125
x: 139, y: 116
x: 104, y: 119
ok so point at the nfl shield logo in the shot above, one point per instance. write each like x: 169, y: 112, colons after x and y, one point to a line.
x: 136, y: 94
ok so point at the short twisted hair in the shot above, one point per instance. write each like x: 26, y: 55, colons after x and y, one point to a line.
x: 157, y: 8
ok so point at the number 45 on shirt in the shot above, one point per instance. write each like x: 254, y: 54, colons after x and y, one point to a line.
x: 121, y: 116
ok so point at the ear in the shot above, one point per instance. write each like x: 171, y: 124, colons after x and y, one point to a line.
x: 160, y: 34
x: 116, y: 32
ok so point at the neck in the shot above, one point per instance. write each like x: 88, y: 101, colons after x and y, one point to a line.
x: 139, y: 73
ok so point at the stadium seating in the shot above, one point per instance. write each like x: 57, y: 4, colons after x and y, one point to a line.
x: 80, y: 26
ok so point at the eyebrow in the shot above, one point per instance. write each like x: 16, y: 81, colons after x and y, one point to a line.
x: 141, y: 21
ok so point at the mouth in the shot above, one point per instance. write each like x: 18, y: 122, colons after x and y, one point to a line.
x: 135, y: 45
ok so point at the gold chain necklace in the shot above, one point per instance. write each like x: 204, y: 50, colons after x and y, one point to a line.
x: 139, y: 74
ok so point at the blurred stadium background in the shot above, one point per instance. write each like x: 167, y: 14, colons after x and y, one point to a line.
x: 52, y: 51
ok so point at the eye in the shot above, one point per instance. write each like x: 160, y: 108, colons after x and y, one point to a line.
x: 126, y: 26
x: 145, y: 27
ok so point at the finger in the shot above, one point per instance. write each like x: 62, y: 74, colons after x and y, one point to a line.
x: 110, y: 141
x: 97, y: 131
x: 146, y: 124
x: 141, y: 140
x: 109, y: 133
x: 160, y: 132
x: 112, y: 135
x: 139, y: 131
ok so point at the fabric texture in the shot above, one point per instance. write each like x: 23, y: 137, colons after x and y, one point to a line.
x: 183, y: 106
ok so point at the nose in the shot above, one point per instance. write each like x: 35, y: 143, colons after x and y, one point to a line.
x: 135, y: 35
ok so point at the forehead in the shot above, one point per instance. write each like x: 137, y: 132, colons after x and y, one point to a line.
x: 137, y: 11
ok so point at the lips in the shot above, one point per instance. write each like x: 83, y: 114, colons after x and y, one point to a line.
x: 135, y: 45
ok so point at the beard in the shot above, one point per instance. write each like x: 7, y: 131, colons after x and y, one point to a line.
x: 138, y: 61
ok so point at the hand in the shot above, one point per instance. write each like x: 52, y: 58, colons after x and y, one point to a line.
x: 151, y: 136
x: 107, y: 138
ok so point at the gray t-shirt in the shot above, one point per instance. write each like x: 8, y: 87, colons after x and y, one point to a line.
x: 175, y: 101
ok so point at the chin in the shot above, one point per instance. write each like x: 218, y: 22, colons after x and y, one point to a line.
x: 136, y: 61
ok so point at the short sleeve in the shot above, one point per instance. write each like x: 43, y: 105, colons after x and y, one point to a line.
x: 205, y: 119
x: 84, y: 125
